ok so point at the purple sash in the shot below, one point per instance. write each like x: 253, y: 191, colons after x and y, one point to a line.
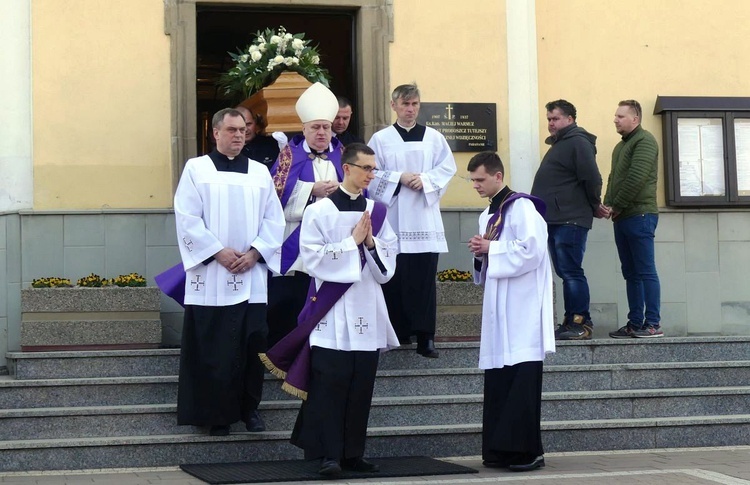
x: 172, y: 283
x: 293, y: 165
x: 497, y: 220
x: 289, y: 359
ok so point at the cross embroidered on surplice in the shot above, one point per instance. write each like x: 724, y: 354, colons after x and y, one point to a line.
x: 197, y: 283
x: 234, y: 282
x: 361, y: 325
x: 188, y: 244
x: 334, y: 253
x: 319, y: 325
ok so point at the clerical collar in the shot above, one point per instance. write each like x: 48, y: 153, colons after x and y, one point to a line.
x: 311, y: 150
x: 407, y: 129
x: 497, y: 199
x: 351, y: 195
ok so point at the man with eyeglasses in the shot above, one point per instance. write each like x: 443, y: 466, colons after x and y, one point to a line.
x: 631, y: 199
x: 416, y: 166
x: 308, y: 169
x: 349, y: 249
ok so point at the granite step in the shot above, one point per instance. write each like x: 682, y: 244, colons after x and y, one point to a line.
x: 117, y: 391
x: 436, y: 441
x: 449, y: 410
x: 165, y: 362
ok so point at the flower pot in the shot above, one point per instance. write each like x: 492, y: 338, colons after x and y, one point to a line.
x: 277, y: 102
x: 80, y: 318
x: 459, y: 310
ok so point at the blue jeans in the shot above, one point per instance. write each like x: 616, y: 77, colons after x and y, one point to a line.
x: 634, y: 237
x: 567, y: 243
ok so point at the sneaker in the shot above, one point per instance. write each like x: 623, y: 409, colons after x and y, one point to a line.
x: 562, y: 328
x: 623, y: 332
x: 649, y: 331
x: 575, y: 331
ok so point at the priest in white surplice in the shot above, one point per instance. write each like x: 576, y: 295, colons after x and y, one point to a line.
x: 416, y: 166
x: 512, y: 262
x: 308, y: 169
x: 229, y: 223
x: 346, y: 239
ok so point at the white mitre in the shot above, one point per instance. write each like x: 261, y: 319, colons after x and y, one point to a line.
x: 317, y: 103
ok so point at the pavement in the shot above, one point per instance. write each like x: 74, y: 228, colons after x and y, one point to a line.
x: 688, y: 466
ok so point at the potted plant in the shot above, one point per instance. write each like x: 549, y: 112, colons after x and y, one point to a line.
x: 96, y: 314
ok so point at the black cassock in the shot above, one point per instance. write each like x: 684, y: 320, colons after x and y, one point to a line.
x: 511, y: 432
x: 221, y: 376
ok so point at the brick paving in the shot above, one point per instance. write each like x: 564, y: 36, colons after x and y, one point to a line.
x: 696, y: 466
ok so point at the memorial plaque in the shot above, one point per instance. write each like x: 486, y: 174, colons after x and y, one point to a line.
x: 467, y: 127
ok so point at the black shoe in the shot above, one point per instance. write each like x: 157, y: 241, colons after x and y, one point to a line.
x: 495, y: 464
x: 254, y: 423
x: 427, y: 349
x: 359, y: 465
x: 329, y: 467
x: 537, y: 462
x: 404, y: 339
x: 219, y: 430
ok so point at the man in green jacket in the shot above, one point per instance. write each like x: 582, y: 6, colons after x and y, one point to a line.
x: 631, y: 199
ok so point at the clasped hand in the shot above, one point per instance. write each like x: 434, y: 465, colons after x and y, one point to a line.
x: 363, y: 231
x: 324, y: 188
x: 235, y: 261
x: 411, y: 180
x: 479, y: 245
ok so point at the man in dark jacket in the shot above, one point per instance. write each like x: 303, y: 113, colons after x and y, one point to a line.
x: 569, y: 182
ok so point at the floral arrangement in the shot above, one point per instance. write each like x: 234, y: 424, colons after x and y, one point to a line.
x: 51, y: 282
x: 454, y: 275
x: 91, y: 281
x: 270, y: 54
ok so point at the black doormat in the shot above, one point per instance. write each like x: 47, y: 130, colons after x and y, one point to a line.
x: 299, y: 470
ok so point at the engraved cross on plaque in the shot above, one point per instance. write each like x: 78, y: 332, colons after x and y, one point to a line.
x: 361, y: 325
x: 234, y: 282
x: 188, y: 244
x: 449, y: 112
x: 320, y: 324
x: 197, y: 283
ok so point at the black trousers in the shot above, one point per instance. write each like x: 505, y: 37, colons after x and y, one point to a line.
x: 286, y: 297
x: 221, y: 376
x: 332, y: 423
x: 511, y: 424
x: 411, y: 295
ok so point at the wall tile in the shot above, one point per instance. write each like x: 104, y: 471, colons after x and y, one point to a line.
x: 125, y: 249
x: 734, y: 226
x: 701, y: 243
x: 83, y: 230
x: 670, y: 264
x: 82, y: 261
x: 734, y: 265
x: 601, y: 264
x: 670, y: 227
x: 160, y: 230
x: 703, y: 302
x: 674, y: 319
x: 42, y: 242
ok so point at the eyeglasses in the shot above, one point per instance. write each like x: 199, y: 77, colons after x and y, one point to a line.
x: 367, y: 169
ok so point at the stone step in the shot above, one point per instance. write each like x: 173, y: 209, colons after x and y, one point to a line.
x: 448, y: 410
x: 118, y: 391
x: 165, y: 362
x: 436, y: 441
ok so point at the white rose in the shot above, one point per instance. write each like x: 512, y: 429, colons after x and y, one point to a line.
x: 288, y: 61
x: 298, y: 44
x: 262, y: 47
x: 253, y: 48
x: 244, y: 57
x: 278, y: 60
x: 288, y: 36
x: 275, y: 39
x: 256, y: 55
x: 315, y: 59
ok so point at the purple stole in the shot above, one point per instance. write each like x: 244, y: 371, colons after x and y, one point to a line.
x: 289, y: 359
x: 496, y: 223
x: 294, y: 164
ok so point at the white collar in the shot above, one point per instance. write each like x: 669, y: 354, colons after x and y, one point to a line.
x: 351, y: 195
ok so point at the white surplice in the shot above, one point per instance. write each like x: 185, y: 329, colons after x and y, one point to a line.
x: 413, y: 214
x: 359, y: 320
x: 324, y: 170
x: 517, y: 319
x: 214, y: 210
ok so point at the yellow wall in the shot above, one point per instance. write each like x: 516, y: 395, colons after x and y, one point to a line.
x: 101, y: 104
x: 595, y: 53
x: 456, y: 52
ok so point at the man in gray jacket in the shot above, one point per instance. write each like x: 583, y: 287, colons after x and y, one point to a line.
x: 569, y: 183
